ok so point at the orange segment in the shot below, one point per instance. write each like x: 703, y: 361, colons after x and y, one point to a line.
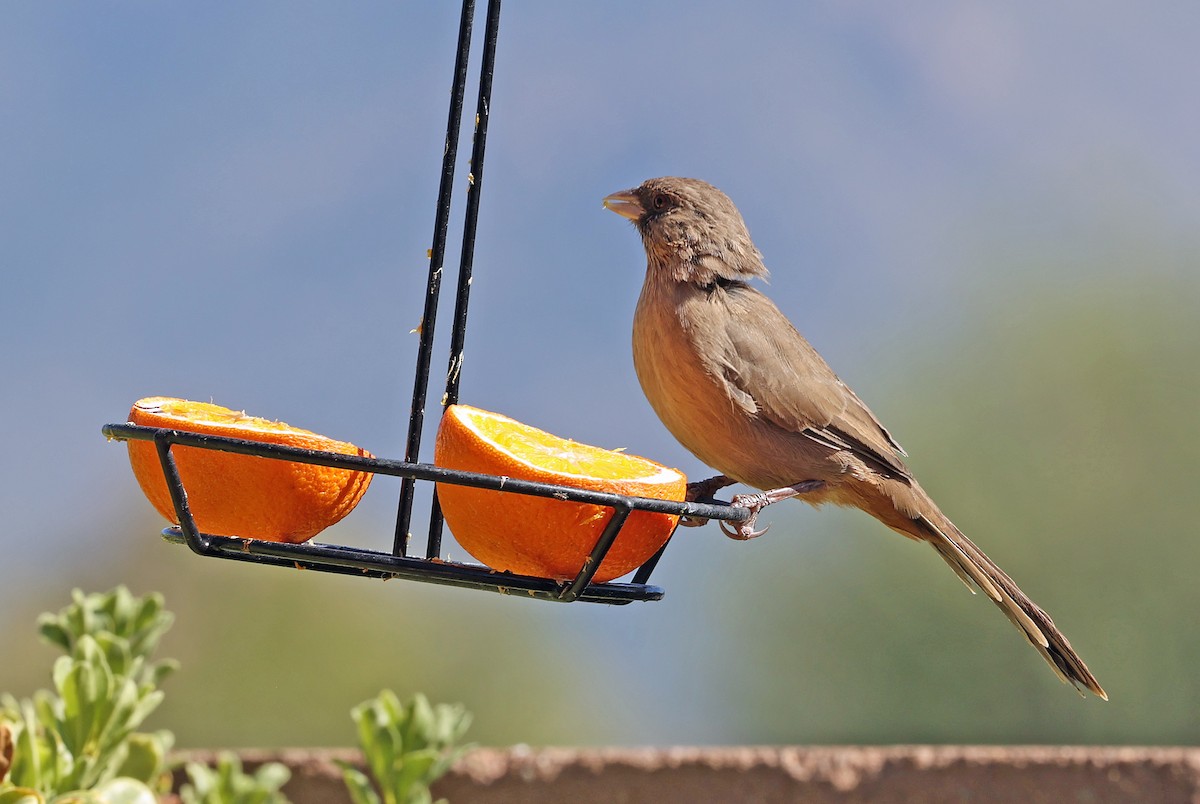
x: 244, y: 495
x: 543, y: 536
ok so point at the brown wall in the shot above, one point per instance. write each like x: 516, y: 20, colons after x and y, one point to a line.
x: 786, y: 774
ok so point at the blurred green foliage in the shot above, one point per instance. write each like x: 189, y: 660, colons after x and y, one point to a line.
x: 407, y: 747
x: 78, y: 742
x: 227, y: 783
x: 1059, y: 426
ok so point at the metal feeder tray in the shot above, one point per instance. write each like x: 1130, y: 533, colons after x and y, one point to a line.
x: 432, y: 568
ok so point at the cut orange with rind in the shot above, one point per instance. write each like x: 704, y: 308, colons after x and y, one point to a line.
x: 543, y: 536
x: 244, y: 495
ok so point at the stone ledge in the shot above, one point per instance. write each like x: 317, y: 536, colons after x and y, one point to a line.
x: 838, y: 775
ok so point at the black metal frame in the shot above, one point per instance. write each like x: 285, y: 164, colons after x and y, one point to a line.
x: 398, y: 564
x: 373, y: 564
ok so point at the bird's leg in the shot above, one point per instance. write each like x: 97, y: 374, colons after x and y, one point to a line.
x: 703, y: 491
x: 759, y: 501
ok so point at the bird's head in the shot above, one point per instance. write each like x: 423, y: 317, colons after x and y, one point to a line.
x: 691, y: 230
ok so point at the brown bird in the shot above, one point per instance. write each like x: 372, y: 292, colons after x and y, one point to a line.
x: 740, y: 388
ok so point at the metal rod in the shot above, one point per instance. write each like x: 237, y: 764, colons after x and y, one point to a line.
x: 424, y: 471
x: 365, y: 563
x: 187, y: 523
x: 437, y: 257
x: 458, y: 332
x: 592, y: 562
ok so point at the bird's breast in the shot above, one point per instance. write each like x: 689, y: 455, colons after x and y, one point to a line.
x: 672, y: 372
x: 678, y: 357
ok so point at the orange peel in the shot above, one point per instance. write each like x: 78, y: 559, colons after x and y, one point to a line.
x: 543, y: 536
x: 244, y: 495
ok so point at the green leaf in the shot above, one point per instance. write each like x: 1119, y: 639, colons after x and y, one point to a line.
x: 358, y: 785
x: 84, y: 691
x: 123, y: 791
x: 31, y: 766
x: 53, y: 632
x: 117, y: 717
x: 406, y: 746
x: 145, y: 756
x: 272, y: 776
x: 378, y: 739
x: 121, y: 608
x: 419, y: 724
x: 21, y: 795
x: 201, y: 783
x: 412, y: 775
x: 227, y: 783
x: 60, y: 671
x: 116, y: 652
x: 452, y: 723
x: 155, y: 672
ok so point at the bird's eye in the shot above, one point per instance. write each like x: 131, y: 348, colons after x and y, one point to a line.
x: 660, y: 201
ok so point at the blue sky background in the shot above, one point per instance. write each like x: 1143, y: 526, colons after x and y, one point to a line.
x: 233, y: 202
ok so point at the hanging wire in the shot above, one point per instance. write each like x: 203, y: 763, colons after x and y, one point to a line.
x: 458, y: 333
x: 437, y: 256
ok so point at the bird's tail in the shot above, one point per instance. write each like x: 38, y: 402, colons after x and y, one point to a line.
x: 977, y: 570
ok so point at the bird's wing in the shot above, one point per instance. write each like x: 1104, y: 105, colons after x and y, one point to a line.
x: 775, y: 373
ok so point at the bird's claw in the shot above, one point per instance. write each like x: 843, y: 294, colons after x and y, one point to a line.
x: 744, y: 531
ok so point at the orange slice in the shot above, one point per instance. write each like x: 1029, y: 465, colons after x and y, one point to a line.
x: 244, y: 495
x: 543, y: 536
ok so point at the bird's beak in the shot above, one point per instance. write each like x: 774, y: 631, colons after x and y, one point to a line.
x: 625, y: 204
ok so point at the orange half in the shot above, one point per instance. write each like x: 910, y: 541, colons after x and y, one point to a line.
x: 245, y: 495
x: 542, y: 536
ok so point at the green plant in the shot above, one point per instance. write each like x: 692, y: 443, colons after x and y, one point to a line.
x: 128, y: 629
x: 227, y: 783
x: 407, y: 747
x: 77, y: 743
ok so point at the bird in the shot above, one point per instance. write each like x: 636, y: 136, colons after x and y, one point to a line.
x: 740, y: 388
